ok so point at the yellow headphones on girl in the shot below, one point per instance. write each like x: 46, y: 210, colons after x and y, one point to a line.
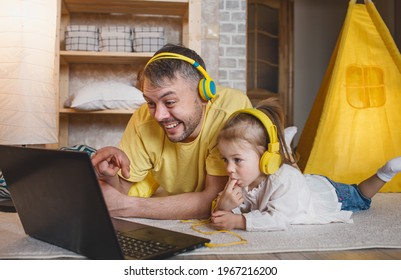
x: 206, y: 87
x: 270, y: 161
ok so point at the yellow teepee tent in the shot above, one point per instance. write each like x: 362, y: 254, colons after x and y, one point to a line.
x: 354, y: 126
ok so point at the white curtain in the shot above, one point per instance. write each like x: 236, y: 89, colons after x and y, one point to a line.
x: 28, y: 105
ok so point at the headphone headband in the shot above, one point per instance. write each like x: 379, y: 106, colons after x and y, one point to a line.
x: 207, y: 87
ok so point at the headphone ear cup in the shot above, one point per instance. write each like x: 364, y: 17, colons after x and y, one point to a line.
x: 207, y: 89
x: 269, y: 162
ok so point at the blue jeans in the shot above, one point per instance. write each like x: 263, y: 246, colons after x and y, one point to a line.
x: 350, y: 197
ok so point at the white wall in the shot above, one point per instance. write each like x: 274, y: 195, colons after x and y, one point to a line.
x: 317, y: 24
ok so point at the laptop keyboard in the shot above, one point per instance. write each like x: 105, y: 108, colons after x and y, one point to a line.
x: 140, y: 249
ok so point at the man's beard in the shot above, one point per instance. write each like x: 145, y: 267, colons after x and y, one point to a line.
x: 189, y: 126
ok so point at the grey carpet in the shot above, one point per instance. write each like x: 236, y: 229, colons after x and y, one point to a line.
x: 378, y: 227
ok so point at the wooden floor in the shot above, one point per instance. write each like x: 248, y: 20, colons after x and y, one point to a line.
x: 366, y: 254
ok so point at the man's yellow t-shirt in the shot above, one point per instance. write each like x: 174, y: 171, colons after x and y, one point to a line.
x: 177, y: 167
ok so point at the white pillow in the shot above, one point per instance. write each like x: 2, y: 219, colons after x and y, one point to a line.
x: 107, y: 95
x: 289, y: 133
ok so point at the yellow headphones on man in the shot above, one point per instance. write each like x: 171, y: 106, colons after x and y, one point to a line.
x: 270, y: 161
x: 207, y: 87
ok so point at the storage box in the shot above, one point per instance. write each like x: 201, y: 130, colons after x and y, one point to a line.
x: 82, y: 38
x: 148, y: 39
x: 115, y: 39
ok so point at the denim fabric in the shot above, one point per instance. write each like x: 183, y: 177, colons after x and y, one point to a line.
x: 350, y: 197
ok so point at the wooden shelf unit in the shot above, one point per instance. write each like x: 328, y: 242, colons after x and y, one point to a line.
x: 189, y: 11
x: 67, y: 57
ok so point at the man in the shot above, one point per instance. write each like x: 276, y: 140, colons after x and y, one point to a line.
x: 170, y: 142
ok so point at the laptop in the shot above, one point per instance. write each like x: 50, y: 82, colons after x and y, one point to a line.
x: 58, y: 199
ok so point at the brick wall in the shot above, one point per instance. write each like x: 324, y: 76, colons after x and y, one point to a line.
x: 223, y: 44
x: 232, y: 44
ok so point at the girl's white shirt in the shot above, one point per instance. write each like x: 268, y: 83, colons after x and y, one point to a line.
x: 289, y: 197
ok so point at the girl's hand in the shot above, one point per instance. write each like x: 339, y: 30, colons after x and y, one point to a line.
x: 231, y: 196
x: 224, y: 220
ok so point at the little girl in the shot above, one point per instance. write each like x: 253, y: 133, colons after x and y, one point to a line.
x: 270, y: 194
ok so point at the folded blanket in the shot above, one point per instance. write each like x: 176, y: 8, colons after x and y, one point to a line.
x: 4, y: 192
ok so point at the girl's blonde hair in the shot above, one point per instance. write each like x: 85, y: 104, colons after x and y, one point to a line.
x: 248, y: 128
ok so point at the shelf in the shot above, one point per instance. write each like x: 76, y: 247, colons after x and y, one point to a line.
x: 70, y: 111
x: 73, y: 123
x: 143, y: 7
x: 104, y: 57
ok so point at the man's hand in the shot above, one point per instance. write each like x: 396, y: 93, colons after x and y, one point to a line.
x: 108, y: 161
